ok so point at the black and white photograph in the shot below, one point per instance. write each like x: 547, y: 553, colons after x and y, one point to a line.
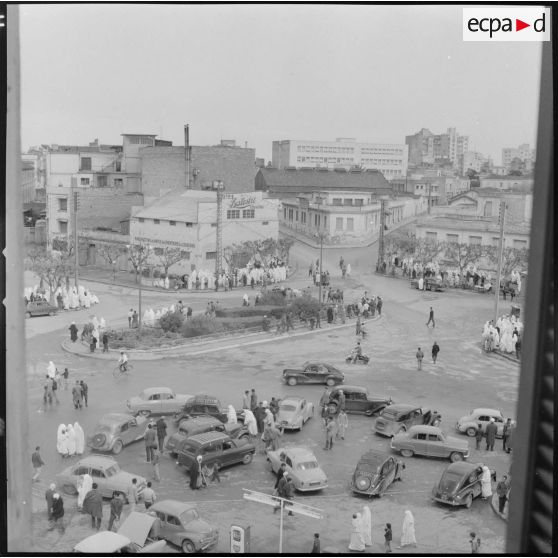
x: 278, y: 278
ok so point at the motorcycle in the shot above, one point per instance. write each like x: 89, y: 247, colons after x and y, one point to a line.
x: 361, y: 359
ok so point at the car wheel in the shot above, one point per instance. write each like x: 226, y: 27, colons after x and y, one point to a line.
x: 330, y: 382
x: 469, y: 501
x: 291, y: 381
x: 407, y: 453
x: 27, y: 314
x: 188, y: 546
x: 456, y: 456
x: 247, y: 459
x: 471, y: 431
x: 70, y: 489
x: 144, y: 413
x: 117, y: 448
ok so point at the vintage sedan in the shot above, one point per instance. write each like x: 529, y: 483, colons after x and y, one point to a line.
x: 313, y: 373
x: 399, y: 418
x: 216, y: 448
x: 375, y: 471
x: 293, y: 412
x: 358, y: 401
x: 302, y: 465
x: 105, y: 472
x: 470, y: 423
x: 431, y: 442
x: 203, y: 404
x: 198, y: 425
x: 116, y: 430
x: 40, y: 308
x: 157, y: 401
x: 182, y: 526
x: 460, y: 484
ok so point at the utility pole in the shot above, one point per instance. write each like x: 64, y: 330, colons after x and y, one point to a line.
x: 220, y: 187
x: 319, y: 200
x: 502, y: 219
x: 429, y: 193
x: 76, y: 251
x: 187, y: 153
x: 381, y: 237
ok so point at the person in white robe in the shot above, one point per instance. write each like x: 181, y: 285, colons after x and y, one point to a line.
x: 268, y: 419
x: 408, y: 530
x: 86, y: 299
x: 66, y: 301
x: 51, y: 369
x: 80, y: 438
x: 94, y: 299
x: 85, y: 485
x: 250, y: 422
x: 367, y: 525
x: 421, y: 284
x: 95, y: 322
x: 348, y: 272
x: 102, y: 323
x: 486, y: 483
x: 62, y: 441
x: 356, y: 542
x: 172, y: 309
x: 71, y: 441
x: 231, y: 415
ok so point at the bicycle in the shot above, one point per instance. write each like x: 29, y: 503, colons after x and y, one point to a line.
x: 118, y: 372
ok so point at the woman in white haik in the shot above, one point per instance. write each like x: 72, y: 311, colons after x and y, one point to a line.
x: 80, y: 438
x: 71, y: 442
x: 367, y: 525
x: 85, y: 484
x: 408, y: 530
x: 231, y: 415
x: 486, y: 483
x: 357, y: 539
x: 62, y: 441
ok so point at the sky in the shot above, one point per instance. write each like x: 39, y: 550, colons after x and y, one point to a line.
x: 259, y: 73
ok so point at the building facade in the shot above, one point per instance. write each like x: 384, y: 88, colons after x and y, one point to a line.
x: 390, y: 159
x: 523, y: 152
x: 471, y: 160
x: 428, y: 148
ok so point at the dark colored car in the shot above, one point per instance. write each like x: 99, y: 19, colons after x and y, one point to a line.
x: 198, y: 425
x: 40, y: 308
x: 116, y: 430
x: 430, y: 284
x: 375, y: 471
x: 357, y: 400
x: 313, y: 373
x: 399, y: 418
x: 204, y: 405
x: 215, y: 448
x: 460, y: 484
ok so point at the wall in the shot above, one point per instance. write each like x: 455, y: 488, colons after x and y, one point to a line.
x: 163, y: 170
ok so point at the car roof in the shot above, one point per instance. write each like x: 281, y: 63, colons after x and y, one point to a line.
x: 174, y: 507
x: 291, y: 398
x: 402, y: 407
x: 426, y: 429
x: 345, y: 388
x: 209, y: 437
x: 462, y: 467
x: 486, y: 411
x: 374, y: 457
x: 201, y: 398
x: 116, y: 417
x: 153, y: 390
x: 104, y: 542
x: 96, y: 461
x: 200, y: 420
x: 317, y: 362
x: 299, y: 452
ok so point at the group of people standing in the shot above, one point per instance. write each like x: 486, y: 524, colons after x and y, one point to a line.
x: 70, y: 440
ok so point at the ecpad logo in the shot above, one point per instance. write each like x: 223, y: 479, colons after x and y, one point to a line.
x: 506, y: 24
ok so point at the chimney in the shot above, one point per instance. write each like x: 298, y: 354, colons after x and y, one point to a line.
x: 187, y: 153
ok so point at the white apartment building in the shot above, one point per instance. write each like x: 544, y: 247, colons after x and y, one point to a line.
x: 388, y: 158
x: 472, y: 160
x: 523, y: 152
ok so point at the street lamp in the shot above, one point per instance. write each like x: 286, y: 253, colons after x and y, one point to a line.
x: 138, y: 254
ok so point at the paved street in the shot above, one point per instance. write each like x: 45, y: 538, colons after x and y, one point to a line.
x: 463, y: 378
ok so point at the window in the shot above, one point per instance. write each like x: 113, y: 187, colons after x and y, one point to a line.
x: 85, y: 164
x: 350, y: 224
x: 359, y: 202
x: 118, y: 168
x: 233, y: 213
x: 336, y: 201
x: 248, y: 213
x: 84, y: 181
x: 211, y: 255
x: 420, y: 436
x: 141, y: 219
x: 158, y: 251
x: 189, y: 225
x: 519, y: 244
x: 97, y: 473
x: 155, y: 397
x: 63, y: 227
x: 118, y: 183
x: 265, y: 222
x: 124, y: 427
x: 433, y: 236
x: 172, y: 223
x: 296, y: 215
x: 184, y: 254
x: 488, y: 209
x: 339, y: 223
x: 156, y: 222
x: 476, y: 240
x: 452, y: 238
x: 348, y: 201
x: 171, y: 520
x: 102, y: 181
x: 62, y: 204
x: 433, y: 438
x: 289, y: 462
x: 290, y: 214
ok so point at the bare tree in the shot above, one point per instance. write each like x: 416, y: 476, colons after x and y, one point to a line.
x: 397, y: 243
x: 427, y: 250
x: 284, y: 246
x: 512, y: 259
x: 110, y: 253
x: 170, y: 256
x: 138, y: 255
x: 464, y: 255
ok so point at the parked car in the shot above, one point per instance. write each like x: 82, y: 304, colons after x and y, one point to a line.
x: 431, y: 442
x: 116, y: 430
x: 157, y: 401
x: 313, y: 373
x: 470, y: 423
x: 203, y: 404
x: 215, y: 448
x: 198, y: 425
x: 182, y: 526
x: 460, y: 484
x: 375, y: 471
x: 358, y: 400
x: 399, y: 418
x: 430, y: 284
x: 293, y: 412
x: 40, y: 308
x: 106, y: 472
x: 302, y: 465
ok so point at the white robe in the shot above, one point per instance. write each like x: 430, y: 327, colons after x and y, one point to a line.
x: 51, y: 369
x: 62, y: 440
x: 71, y: 442
x: 80, y: 438
x: 408, y: 530
x: 357, y: 538
x: 85, y: 484
x: 231, y: 415
x: 250, y: 422
x: 367, y: 525
x: 486, y: 483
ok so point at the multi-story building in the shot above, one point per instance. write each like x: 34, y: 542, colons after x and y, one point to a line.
x: 523, y: 153
x: 471, y: 160
x: 428, y: 148
x: 507, y: 182
x: 388, y: 158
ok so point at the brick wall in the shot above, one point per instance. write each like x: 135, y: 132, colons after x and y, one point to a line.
x: 105, y: 207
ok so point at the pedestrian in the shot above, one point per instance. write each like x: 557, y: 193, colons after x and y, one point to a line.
x: 148, y: 496
x: 246, y: 400
x: 73, y: 332
x: 56, y: 382
x: 431, y: 318
x: 388, y: 537
x: 356, y: 542
x: 150, y: 439
x: 47, y: 396
x: 161, y: 426
x: 66, y: 375
x: 250, y: 423
x: 116, y: 505
x: 155, y: 462
x: 491, y: 431
x: 62, y: 441
x: 366, y: 525
x: 282, y: 490
x: 289, y: 492
x: 195, y: 470
x: 130, y: 316
x: 329, y: 428
x: 358, y: 326
x: 509, y: 440
x: 316, y: 545
x: 341, y: 399
x: 77, y: 395
x: 408, y: 530
x: 324, y: 400
x: 502, y: 489
x: 253, y: 400
x: 93, y: 505
x: 379, y: 303
x: 105, y: 342
x: 279, y: 475
x: 506, y: 435
x: 479, y: 435
x: 259, y: 413
x: 486, y: 483
x: 274, y: 407
x: 57, y: 513
x: 342, y: 424
x: 518, y: 348
x: 84, y: 485
x: 420, y: 356
x: 475, y: 543
x: 132, y: 494
x: 92, y: 344
x: 435, y: 351
x: 49, y: 493
x: 84, y: 391
x: 38, y: 463
x: 135, y: 322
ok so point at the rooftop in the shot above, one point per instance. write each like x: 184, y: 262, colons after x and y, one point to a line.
x: 177, y: 206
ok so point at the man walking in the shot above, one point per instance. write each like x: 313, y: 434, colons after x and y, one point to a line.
x: 379, y: 303
x: 49, y: 499
x: 115, y: 510
x: 38, y: 463
x: 253, y: 400
x: 133, y: 494
x: 475, y: 543
x: 57, y: 513
x: 420, y: 356
x: 65, y: 375
x: 155, y: 462
x: 342, y: 399
x: 435, y: 351
x: 329, y: 427
x: 130, y: 316
x: 246, y: 400
x: 342, y: 424
x: 506, y: 435
x: 161, y: 432
x: 491, y: 431
x: 149, y: 496
x: 324, y: 400
x: 150, y: 439
x: 77, y: 395
x: 280, y: 473
x: 479, y: 435
x: 84, y: 391
x: 93, y: 505
x: 431, y: 318
x: 105, y: 342
x: 502, y: 491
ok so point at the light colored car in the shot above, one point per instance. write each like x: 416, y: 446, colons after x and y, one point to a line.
x: 429, y: 441
x: 182, y: 526
x: 302, y: 465
x: 157, y: 401
x: 116, y: 430
x: 293, y: 412
x: 106, y: 472
x: 469, y: 424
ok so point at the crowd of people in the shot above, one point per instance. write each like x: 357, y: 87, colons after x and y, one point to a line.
x: 504, y: 336
x: 72, y: 299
